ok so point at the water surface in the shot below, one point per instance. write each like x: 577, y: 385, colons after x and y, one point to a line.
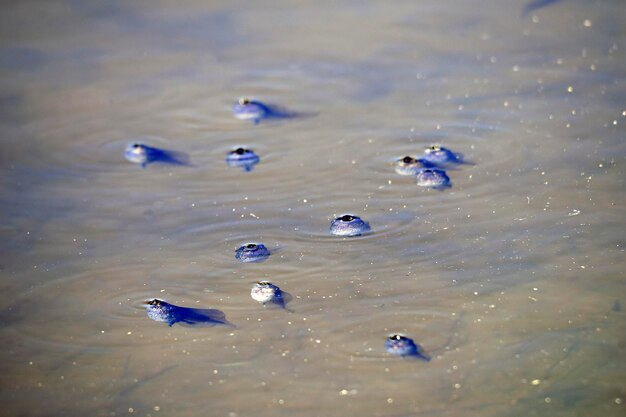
x: 509, y: 279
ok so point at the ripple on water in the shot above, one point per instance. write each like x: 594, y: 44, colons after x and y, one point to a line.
x: 361, y: 336
x: 308, y: 228
x: 110, y: 310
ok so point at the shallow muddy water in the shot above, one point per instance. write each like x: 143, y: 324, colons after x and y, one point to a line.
x: 511, y: 279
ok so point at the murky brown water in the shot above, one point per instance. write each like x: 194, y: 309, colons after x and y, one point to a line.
x: 512, y: 280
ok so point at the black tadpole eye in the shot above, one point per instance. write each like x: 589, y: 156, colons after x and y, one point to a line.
x: 154, y: 302
x: 347, y: 218
x: 407, y: 160
x: 251, y: 246
x: 136, y: 145
x: 240, y: 151
x: 395, y: 337
x: 434, y: 148
x: 244, y: 101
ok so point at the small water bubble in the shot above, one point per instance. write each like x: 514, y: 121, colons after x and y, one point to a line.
x: 587, y: 23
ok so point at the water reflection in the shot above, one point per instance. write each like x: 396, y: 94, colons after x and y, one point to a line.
x: 535, y: 5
